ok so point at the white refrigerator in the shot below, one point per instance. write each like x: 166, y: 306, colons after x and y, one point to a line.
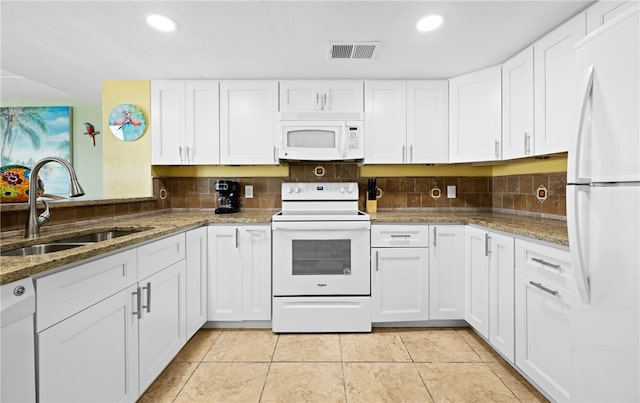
x: 603, y: 215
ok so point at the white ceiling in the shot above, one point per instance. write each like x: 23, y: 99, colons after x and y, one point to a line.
x: 65, y: 49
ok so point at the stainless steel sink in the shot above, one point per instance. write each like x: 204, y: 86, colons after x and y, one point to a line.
x: 40, y: 249
x: 98, y: 236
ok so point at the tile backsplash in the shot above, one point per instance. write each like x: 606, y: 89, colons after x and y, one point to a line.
x: 514, y: 194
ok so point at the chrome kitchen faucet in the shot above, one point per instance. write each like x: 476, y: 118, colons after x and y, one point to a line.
x: 32, y: 229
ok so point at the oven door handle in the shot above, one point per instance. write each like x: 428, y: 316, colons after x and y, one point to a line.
x: 321, y: 226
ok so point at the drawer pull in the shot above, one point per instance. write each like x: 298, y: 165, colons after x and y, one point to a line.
x: 545, y: 263
x: 543, y: 288
x: 435, y: 237
x: 377, y: 268
x: 400, y: 236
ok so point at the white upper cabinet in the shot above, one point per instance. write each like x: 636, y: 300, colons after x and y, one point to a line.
x: 428, y: 121
x: 321, y: 99
x: 517, y: 105
x: 406, y: 121
x: 385, y: 121
x: 603, y: 11
x: 184, y: 122
x: 554, y: 78
x: 248, y: 122
x: 475, y: 119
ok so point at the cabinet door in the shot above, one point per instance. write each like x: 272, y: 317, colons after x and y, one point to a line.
x: 93, y: 355
x: 446, y: 272
x: 202, y: 123
x: 543, y: 333
x: 399, y: 284
x: 475, y: 116
x: 428, y: 121
x: 255, y: 252
x: 385, y: 121
x: 603, y: 11
x: 343, y: 96
x: 162, y: 328
x: 501, y: 299
x: 300, y: 95
x: 225, y: 276
x: 196, y: 279
x: 167, y: 121
x: 554, y: 78
x: 248, y: 119
x: 477, y: 279
x: 517, y: 105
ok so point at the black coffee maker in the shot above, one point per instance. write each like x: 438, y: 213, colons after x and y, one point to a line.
x: 228, y: 197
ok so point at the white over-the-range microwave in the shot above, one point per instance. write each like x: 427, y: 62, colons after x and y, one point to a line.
x: 321, y: 140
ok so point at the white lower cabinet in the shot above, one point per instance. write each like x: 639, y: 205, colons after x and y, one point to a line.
x: 239, y: 272
x: 107, y: 331
x: 93, y: 355
x: 489, y: 282
x: 446, y: 272
x: 399, y: 275
x: 162, y: 329
x: 543, y: 316
x: 196, y: 249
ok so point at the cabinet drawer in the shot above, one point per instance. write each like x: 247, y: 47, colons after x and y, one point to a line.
x: 160, y: 254
x: 546, y: 262
x: 400, y: 235
x: 67, y: 292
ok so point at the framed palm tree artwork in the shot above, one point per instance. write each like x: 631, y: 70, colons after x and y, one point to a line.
x: 32, y: 133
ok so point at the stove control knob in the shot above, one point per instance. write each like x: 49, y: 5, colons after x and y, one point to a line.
x: 349, y: 189
x: 289, y: 190
x: 298, y: 190
x: 342, y: 190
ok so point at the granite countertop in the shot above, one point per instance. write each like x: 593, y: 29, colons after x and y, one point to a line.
x: 165, y: 223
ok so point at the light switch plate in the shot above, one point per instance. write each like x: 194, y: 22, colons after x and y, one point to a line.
x: 451, y: 192
x: 248, y: 192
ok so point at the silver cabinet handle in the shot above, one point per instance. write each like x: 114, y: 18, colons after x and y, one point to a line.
x: 486, y: 244
x: 434, y: 236
x: 497, y: 148
x: 404, y: 153
x: 543, y: 288
x: 180, y: 152
x: 527, y: 143
x: 237, y: 233
x: 325, y: 99
x: 318, y: 106
x: 411, y: 153
x: 275, y: 154
x: 545, y: 263
x: 400, y: 236
x: 188, y: 153
x: 148, y: 306
x: 138, y: 294
x: 377, y: 267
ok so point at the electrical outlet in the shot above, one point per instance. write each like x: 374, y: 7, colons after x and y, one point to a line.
x: 248, y: 192
x: 451, y: 192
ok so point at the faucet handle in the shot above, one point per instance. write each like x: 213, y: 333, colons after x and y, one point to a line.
x: 42, y: 218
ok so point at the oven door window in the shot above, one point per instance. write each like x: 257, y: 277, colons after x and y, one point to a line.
x: 321, y: 257
x: 311, y: 138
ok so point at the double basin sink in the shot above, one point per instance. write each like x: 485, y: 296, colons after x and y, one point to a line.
x: 70, y: 242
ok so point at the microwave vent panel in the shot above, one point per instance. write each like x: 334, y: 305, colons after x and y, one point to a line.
x: 353, y: 50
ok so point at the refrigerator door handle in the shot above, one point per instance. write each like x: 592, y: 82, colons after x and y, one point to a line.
x: 575, y: 156
x: 576, y: 243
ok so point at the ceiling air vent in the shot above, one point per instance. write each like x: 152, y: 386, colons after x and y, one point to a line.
x: 353, y: 50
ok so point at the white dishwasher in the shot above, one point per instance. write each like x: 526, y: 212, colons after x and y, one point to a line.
x: 17, y: 348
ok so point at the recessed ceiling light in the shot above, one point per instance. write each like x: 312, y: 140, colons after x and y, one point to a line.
x: 429, y: 23
x: 161, y: 23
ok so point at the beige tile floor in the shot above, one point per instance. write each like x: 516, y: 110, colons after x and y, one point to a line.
x: 387, y: 365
